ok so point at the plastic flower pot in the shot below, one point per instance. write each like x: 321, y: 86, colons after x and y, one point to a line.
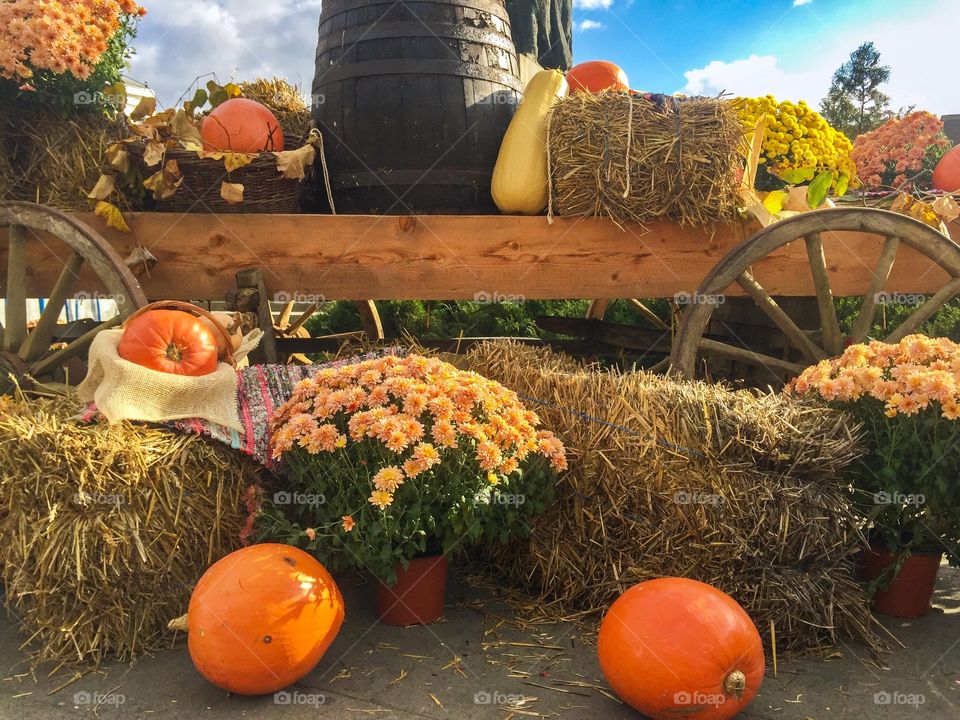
x: 419, y: 595
x: 910, y: 595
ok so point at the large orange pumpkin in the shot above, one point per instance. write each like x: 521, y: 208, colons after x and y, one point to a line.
x: 261, y: 618
x: 678, y: 648
x: 170, y: 341
x: 596, y: 75
x: 946, y: 175
x: 241, y: 125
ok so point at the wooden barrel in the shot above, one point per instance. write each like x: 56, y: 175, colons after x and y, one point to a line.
x: 413, y: 100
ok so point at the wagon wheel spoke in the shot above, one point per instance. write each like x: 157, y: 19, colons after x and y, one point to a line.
x: 74, y: 348
x: 772, y: 310
x: 38, y: 341
x: 925, y: 311
x: 292, y: 327
x: 868, y: 308
x: 715, y: 347
x: 16, y: 305
x: 284, y: 319
x: 832, y: 340
x: 648, y: 313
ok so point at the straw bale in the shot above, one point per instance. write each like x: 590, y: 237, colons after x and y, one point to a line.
x: 633, y: 159
x: 105, y: 529
x: 677, y: 478
x: 284, y: 100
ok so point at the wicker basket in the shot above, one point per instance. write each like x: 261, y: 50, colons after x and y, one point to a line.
x: 264, y: 189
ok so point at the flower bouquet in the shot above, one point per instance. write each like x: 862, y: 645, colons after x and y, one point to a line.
x: 392, y: 458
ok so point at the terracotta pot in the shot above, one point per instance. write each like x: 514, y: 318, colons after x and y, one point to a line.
x: 910, y: 594
x: 419, y: 595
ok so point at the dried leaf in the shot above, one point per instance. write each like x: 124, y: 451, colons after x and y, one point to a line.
x: 902, y: 203
x: 150, y: 133
x: 232, y: 192
x: 117, y: 157
x: 103, y: 188
x: 146, y: 106
x: 165, y: 182
x: 232, y: 161
x: 111, y: 215
x: 153, y: 153
x: 186, y: 131
x: 292, y: 163
x: 946, y: 207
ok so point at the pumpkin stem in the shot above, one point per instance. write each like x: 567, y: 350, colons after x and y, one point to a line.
x: 179, y: 623
x: 174, y: 353
x: 735, y: 684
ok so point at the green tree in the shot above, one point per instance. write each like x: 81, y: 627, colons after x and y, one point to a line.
x: 855, y: 103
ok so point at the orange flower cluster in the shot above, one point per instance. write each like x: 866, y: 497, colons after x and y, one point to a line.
x: 418, y: 408
x: 57, y: 35
x: 898, y: 148
x: 907, y: 377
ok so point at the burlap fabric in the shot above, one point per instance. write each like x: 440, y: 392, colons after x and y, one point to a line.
x: 123, y: 390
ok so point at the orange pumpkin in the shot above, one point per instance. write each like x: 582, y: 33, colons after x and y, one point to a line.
x: 595, y: 76
x: 261, y: 618
x: 241, y: 125
x: 946, y: 175
x: 169, y: 341
x: 675, y: 647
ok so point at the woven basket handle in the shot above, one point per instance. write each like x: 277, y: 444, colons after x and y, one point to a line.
x: 192, y: 310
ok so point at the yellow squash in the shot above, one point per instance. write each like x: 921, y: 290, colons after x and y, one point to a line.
x: 519, y: 184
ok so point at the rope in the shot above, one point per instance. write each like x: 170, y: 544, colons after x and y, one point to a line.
x: 626, y: 191
x: 318, y: 137
x: 549, y: 170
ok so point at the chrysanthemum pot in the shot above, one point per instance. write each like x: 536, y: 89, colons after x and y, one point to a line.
x: 910, y: 594
x: 419, y: 595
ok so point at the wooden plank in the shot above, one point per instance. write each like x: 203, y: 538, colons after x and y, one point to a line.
x: 442, y: 257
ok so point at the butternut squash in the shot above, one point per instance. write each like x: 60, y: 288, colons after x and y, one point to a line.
x: 519, y: 184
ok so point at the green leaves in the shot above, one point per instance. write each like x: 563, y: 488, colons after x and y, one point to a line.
x: 796, y: 176
x: 818, y: 189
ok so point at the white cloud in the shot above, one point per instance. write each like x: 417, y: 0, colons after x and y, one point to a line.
x: 592, y: 4
x: 798, y: 3
x: 585, y: 25
x: 753, y: 76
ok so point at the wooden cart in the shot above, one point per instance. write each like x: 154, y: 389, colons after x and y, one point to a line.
x: 850, y: 252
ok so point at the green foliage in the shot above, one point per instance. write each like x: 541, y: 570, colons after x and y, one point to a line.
x: 68, y: 93
x: 855, y: 103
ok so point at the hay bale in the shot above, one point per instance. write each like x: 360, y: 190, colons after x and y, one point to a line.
x: 284, y: 100
x: 105, y: 529
x: 675, y: 478
x: 634, y: 159
x: 50, y: 157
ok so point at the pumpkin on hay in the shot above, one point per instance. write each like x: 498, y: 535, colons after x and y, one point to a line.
x: 596, y: 76
x: 675, y: 647
x: 243, y: 126
x: 261, y: 618
x: 170, y: 341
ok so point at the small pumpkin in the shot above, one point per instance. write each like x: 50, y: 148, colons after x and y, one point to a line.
x: 169, y: 341
x: 241, y: 125
x: 596, y: 76
x: 261, y: 618
x: 946, y: 175
x: 675, y: 647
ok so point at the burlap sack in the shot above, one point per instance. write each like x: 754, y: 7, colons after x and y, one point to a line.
x: 123, y: 390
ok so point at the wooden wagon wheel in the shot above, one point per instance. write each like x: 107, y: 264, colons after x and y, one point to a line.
x: 39, y: 353
x: 735, y: 268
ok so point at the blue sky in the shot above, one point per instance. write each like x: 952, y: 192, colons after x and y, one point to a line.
x: 789, y: 48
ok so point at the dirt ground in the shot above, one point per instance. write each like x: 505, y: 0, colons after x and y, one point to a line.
x: 478, y: 664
